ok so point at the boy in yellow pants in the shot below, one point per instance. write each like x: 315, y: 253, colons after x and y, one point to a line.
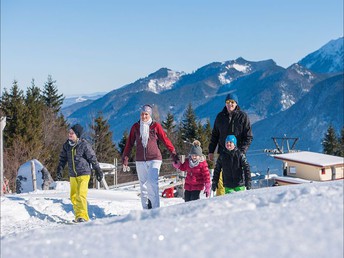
x: 79, y: 154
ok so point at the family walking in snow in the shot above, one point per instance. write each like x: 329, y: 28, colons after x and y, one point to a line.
x: 231, y: 136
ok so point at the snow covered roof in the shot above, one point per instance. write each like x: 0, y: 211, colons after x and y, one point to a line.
x: 311, y: 158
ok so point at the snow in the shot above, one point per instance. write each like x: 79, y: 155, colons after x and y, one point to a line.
x: 286, y: 100
x: 240, y: 68
x: 80, y: 99
x: 304, y: 220
x: 303, y: 72
x: 24, y: 176
x: 162, y: 84
x: 313, y: 158
x: 223, y: 80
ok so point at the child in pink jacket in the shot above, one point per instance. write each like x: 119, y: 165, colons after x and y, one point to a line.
x: 197, y: 177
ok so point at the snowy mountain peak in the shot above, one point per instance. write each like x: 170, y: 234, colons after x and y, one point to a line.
x: 157, y: 82
x: 162, y: 80
x: 244, y: 68
x: 327, y: 59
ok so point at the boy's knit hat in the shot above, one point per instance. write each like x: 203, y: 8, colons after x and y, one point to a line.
x: 196, y: 148
x: 231, y: 138
x: 232, y: 96
x: 77, y: 129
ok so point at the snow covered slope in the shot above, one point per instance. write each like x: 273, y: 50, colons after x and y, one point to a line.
x: 289, y: 221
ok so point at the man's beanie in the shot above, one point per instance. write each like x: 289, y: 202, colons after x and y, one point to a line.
x: 147, y: 108
x: 231, y: 138
x: 232, y: 96
x: 196, y: 148
x: 77, y: 129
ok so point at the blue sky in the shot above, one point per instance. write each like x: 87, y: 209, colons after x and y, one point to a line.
x: 99, y: 45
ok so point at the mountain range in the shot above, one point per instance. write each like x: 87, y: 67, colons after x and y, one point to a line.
x: 300, y: 101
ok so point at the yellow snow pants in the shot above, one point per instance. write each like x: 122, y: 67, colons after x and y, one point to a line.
x: 78, y: 195
x: 220, y: 190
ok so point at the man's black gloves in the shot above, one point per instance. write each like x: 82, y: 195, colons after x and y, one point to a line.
x: 213, y: 186
x: 175, y: 158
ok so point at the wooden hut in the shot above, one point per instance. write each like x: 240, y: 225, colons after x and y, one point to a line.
x: 311, y: 166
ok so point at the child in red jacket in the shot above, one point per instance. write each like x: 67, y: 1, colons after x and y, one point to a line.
x: 197, y: 177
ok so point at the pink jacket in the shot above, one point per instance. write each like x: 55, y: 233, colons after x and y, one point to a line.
x: 196, y: 177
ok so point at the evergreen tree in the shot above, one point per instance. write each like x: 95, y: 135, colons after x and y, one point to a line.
x: 13, y: 107
x: 121, y: 147
x: 169, y: 127
x: 50, y: 95
x: 189, y: 126
x: 181, y: 145
x: 123, y: 142
x: 330, y: 142
x: 102, y: 140
x: 205, y: 141
x: 34, y: 116
x: 341, y: 143
x: 204, y: 132
x: 207, y: 132
x: 169, y: 124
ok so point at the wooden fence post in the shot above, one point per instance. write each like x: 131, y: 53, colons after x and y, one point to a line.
x: 33, y: 172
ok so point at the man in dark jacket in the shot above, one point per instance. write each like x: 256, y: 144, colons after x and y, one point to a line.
x: 230, y: 121
x: 79, y: 155
x: 235, y: 168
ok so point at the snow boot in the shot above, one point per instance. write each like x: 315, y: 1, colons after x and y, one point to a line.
x: 149, y: 205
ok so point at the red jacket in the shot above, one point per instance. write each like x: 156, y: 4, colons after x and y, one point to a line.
x: 152, y: 152
x: 196, y: 177
x: 168, y: 193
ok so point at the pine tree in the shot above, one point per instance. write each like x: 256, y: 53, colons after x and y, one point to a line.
x: 123, y: 141
x: 330, y: 142
x: 102, y: 140
x: 17, y: 148
x: 169, y: 124
x: 341, y: 143
x: 34, y: 117
x: 13, y: 107
x: 50, y: 95
x: 169, y: 127
x: 204, y: 132
x: 189, y: 125
x: 207, y: 132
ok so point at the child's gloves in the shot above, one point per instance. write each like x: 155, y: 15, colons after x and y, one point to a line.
x: 207, y: 190
x: 176, y: 165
